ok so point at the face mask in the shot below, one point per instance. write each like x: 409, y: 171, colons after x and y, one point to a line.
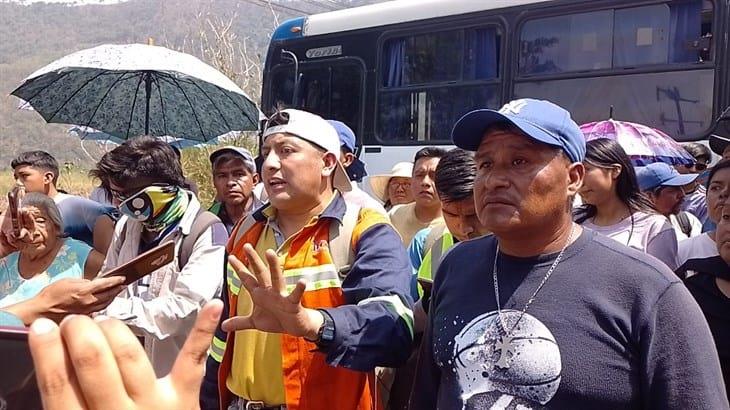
x: 156, y: 206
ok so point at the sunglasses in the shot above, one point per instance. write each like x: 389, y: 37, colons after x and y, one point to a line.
x: 698, y: 166
x: 123, y: 196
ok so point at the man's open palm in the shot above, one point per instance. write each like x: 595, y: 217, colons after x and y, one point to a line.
x: 274, y: 310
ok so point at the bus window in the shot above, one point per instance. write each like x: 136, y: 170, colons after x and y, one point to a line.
x: 641, y: 36
x: 330, y: 91
x: 678, y: 101
x: 574, y: 42
x: 429, y: 114
x: 677, y: 32
x: 423, y: 94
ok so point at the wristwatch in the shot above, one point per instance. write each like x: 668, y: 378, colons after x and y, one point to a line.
x: 326, y: 333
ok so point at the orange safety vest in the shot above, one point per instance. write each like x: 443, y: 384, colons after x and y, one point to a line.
x: 309, y: 382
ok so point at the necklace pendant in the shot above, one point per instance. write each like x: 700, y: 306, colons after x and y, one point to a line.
x: 506, y: 350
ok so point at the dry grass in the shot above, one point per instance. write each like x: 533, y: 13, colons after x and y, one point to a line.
x: 196, y: 166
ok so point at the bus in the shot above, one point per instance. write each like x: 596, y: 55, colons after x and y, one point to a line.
x: 401, y: 73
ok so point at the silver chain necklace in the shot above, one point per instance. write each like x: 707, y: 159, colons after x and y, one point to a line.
x: 504, y: 344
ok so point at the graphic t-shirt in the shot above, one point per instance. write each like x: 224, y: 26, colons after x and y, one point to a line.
x: 79, y: 216
x: 611, y: 328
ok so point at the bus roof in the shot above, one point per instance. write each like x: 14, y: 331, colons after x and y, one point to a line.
x: 399, y: 11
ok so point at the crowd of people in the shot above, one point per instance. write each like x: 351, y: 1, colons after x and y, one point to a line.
x: 523, y: 269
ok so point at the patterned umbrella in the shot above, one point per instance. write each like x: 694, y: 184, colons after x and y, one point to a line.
x: 643, y: 144
x: 133, y: 89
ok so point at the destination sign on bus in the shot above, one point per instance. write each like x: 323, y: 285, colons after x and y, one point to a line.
x: 324, y: 52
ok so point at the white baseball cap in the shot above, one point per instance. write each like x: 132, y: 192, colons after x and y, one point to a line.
x: 319, y: 132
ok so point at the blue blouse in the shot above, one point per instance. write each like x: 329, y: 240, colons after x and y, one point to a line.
x: 69, y: 263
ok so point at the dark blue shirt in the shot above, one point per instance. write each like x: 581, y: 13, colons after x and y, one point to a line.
x: 612, y: 328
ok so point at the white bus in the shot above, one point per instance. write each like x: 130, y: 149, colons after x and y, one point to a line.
x: 401, y: 73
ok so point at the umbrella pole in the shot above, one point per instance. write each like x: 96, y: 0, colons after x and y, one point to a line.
x: 148, y: 94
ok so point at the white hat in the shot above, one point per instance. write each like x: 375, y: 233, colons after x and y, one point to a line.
x: 379, y: 183
x: 319, y: 132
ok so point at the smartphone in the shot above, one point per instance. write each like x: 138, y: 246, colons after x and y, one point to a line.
x: 144, y: 264
x: 426, y: 285
x: 18, y: 387
x: 14, y: 197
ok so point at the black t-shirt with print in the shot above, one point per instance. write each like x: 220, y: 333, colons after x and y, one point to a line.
x: 612, y: 328
x: 716, y: 307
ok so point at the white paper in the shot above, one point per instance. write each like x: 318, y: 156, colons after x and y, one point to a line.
x: 644, y: 36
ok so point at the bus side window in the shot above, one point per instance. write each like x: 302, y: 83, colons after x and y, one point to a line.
x: 659, y: 38
x: 422, y: 92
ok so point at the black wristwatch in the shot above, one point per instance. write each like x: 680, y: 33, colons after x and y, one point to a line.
x: 326, y: 333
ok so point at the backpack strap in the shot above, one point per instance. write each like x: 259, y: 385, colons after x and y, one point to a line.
x: 684, y: 224
x: 340, y: 241
x: 202, y: 222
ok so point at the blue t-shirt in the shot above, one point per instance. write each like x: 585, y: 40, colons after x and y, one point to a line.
x: 612, y: 328
x: 79, y: 216
x: 69, y: 263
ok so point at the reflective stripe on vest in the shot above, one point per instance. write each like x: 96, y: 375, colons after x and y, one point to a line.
x: 317, y: 277
x: 217, y: 349
x: 430, y: 265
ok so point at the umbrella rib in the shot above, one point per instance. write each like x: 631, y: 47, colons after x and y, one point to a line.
x: 78, y: 90
x: 131, y: 112
x: 214, y: 105
x: 162, y: 104
x: 101, y: 102
x: 44, y: 88
x: 197, y: 120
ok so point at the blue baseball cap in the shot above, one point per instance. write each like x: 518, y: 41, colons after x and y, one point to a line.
x: 659, y: 174
x: 356, y: 171
x: 540, y: 120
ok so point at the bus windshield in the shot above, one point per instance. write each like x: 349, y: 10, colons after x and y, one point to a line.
x: 332, y: 90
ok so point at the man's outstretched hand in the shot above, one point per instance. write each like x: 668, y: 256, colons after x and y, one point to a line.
x: 87, y: 364
x: 274, y: 310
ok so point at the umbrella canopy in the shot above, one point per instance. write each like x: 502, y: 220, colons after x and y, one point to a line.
x: 90, y: 134
x: 135, y: 89
x: 644, y: 145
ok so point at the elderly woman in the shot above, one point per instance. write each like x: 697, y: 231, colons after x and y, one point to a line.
x: 43, y: 254
x: 393, y: 188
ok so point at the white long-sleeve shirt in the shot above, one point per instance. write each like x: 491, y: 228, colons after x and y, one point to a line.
x: 165, y: 310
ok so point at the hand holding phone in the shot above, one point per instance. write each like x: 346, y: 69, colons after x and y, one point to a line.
x: 144, y: 264
x: 14, y: 197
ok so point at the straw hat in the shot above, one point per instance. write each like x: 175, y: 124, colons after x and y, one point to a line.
x: 379, y: 183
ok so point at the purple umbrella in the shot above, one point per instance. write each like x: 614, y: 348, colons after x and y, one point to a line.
x: 642, y: 144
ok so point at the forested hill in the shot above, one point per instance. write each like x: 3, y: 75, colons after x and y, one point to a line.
x: 33, y: 34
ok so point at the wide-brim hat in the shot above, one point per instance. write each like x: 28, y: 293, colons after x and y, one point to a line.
x: 379, y: 183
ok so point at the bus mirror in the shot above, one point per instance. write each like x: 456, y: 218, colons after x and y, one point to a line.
x: 722, y: 128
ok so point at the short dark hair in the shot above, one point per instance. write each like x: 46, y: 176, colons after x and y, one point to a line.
x: 698, y: 151
x: 429, y: 152
x: 140, y: 157
x: 455, y: 175
x: 720, y: 165
x: 40, y: 160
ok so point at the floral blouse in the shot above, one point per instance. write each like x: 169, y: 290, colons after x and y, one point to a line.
x: 69, y: 263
